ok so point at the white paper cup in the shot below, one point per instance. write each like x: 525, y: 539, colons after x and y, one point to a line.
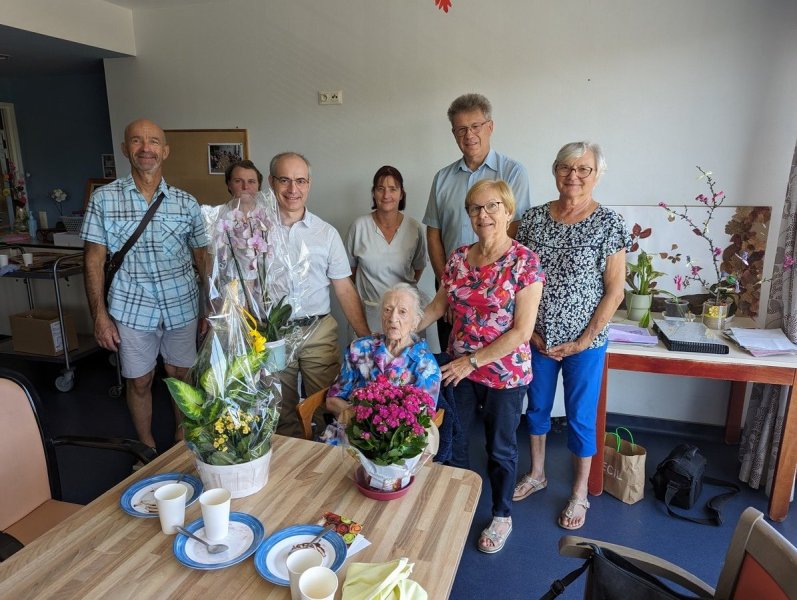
x: 27, y: 258
x: 170, y: 499
x: 3, y: 260
x: 215, y: 505
x: 318, y: 583
x: 297, y: 563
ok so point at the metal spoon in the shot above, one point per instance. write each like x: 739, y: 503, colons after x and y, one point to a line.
x: 212, y: 548
x: 312, y: 543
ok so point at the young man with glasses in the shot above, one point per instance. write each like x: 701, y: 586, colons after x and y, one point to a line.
x: 318, y: 359
x: 447, y: 224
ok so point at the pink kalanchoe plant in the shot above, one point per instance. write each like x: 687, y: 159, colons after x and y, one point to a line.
x: 389, y: 422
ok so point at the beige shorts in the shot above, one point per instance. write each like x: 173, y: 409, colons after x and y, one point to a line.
x: 139, y: 350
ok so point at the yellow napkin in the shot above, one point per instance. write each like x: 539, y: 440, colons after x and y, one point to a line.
x: 382, y: 581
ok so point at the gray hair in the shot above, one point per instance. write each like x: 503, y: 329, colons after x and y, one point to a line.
x: 272, y: 167
x: 575, y: 150
x: 469, y: 102
x: 411, y: 291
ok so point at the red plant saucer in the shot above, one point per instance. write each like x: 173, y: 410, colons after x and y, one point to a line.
x: 360, y: 478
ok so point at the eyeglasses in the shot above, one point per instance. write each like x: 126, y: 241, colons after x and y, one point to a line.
x: 581, y: 172
x: 286, y: 181
x: 490, y: 208
x: 475, y: 128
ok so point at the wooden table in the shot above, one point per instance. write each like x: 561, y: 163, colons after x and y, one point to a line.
x: 738, y: 367
x: 102, y: 552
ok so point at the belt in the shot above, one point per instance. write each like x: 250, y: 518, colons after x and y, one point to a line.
x: 305, y: 321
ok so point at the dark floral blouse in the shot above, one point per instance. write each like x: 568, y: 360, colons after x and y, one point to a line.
x: 573, y: 258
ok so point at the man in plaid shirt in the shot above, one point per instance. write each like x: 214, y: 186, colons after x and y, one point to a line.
x: 154, y: 303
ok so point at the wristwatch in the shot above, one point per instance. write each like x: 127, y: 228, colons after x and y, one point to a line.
x: 473, y: 363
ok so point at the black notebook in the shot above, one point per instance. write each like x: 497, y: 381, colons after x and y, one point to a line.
x: 683, y: 336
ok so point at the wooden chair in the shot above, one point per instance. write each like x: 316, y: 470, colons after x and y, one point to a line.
x: 306, y: 409
x: 760, y: 563
x: 30, y: 503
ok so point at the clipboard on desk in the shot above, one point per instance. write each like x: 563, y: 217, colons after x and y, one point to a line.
x: 684, y: 336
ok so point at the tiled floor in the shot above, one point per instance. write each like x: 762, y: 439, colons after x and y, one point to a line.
x: 528, y: 563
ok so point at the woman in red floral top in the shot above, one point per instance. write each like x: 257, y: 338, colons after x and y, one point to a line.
x: 492, y: 289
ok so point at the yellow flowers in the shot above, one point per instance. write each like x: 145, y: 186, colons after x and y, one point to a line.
x: 231, y: 427
x: 258, y: 341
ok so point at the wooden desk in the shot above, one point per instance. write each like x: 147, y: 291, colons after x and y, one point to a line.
x: 102, y: 552
x: 738, y: 367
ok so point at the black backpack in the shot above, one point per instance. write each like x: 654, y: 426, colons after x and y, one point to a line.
x: 678, y: 481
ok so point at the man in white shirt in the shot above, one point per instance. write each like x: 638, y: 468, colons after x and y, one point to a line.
x: 318, y: 359
x: 447, y: 224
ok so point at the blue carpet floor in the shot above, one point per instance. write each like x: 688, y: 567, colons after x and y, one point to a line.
x: 530, y: 560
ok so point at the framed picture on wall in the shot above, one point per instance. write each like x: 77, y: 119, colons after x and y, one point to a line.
x: 93, y: 184
x: 108, y: 166
x: 222, y: 155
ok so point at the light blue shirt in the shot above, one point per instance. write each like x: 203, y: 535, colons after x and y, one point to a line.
x: 446, y: 207
x: 156, y: 282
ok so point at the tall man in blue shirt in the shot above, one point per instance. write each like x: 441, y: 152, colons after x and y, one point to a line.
x: 447, y: 224
x: 154, y: 301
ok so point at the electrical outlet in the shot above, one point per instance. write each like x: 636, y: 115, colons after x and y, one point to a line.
x: 330, y: 97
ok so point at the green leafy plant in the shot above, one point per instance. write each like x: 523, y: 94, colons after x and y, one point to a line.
x: 641, y: 276
x: 276, y: 325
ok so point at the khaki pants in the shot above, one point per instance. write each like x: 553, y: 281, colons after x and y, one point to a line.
x: 318, y: 360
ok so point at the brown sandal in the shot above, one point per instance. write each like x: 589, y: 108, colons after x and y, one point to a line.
x: 498, y: 539
x: 527, y: 486
x: 570, y: 511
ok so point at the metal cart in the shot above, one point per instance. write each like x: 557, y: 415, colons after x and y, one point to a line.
x: 63, y: 266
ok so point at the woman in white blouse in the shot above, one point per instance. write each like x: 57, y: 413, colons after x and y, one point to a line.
x: 385, y: 247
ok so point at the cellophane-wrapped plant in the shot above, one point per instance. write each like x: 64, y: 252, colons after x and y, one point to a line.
x: 230, y: 401
x: 248, y: 246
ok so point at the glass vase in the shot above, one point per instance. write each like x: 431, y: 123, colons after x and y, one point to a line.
x: 715, y: 314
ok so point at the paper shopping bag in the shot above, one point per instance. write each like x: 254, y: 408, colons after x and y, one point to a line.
x: 623, y: 467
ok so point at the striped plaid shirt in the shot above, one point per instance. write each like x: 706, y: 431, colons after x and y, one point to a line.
x: 156, y: 281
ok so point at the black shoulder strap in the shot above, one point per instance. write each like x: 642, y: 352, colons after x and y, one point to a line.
x: 118, y: 257
x: 713, y: 506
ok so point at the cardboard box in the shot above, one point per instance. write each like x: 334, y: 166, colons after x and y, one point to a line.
x: 67, y: 239
x: 39, y: 332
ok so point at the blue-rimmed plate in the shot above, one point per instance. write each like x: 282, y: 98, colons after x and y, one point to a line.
x: 245, y: 535
x: 270, y: 557
x: 140, y: 495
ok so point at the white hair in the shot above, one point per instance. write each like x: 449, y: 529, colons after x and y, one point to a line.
x: 411, y: 291
x: 574, y: 150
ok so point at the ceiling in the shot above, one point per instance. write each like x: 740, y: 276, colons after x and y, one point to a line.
x: 36, y: 54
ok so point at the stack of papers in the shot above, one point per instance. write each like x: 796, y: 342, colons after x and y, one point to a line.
x: 762, y: 342
x: 623, y: 333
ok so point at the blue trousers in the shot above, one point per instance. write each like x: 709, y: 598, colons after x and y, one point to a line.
x: 582, y: 375
x: 501, y: 413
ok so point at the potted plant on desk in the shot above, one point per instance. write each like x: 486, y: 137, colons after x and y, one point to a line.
x: 640, y: 277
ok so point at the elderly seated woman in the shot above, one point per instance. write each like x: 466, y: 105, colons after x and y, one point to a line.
x: 398, y: 353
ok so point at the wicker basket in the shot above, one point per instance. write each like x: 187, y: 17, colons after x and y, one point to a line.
x: 241, y: 479
x: 72, y: 224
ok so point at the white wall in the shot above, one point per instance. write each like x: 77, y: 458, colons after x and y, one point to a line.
x: 662, y: 86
